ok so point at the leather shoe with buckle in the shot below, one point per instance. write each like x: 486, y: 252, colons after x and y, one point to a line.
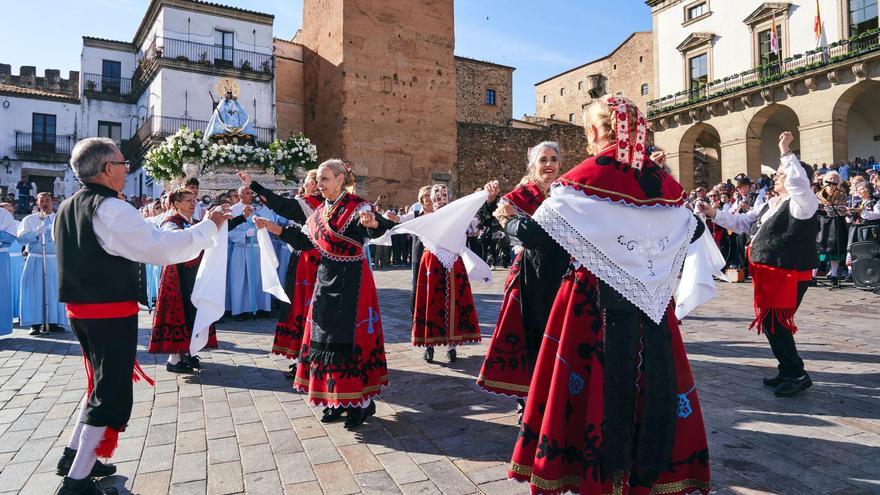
x: 791, y: 386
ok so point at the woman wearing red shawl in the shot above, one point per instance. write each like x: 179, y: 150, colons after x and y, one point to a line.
x: 531, y: 283
x: 782, y: 257
x: 612, y: 404
x: 444, y: 311
x: 175, y: 314
x: 301, y: 269
x: 343, y: 350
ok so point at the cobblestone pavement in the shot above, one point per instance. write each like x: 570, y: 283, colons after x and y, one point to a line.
x: 238, y: 426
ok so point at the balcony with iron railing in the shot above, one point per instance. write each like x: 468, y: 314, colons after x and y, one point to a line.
x: 106, y: 87
x: 799, y: 65
x: 157, y: 127
x: 43, y: 147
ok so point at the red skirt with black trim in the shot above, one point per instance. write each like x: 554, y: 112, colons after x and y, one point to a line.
x: 560, y: 445
x: 289, y: 333
x: 444, y: 310
x: 506, y: 369
x: 362, y: 374
x: 172, y: 332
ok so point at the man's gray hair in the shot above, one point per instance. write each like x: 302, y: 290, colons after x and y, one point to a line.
x: 89, y: 155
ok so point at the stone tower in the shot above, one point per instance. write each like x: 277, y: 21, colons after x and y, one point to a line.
x: 380, y: 91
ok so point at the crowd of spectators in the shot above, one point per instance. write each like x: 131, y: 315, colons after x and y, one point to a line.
x: 848, y: 194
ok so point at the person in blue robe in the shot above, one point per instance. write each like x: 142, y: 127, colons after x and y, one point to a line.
x: 35, y: 287
x: 244, y: 284
x: 8, y: 231
x: 230, y: 121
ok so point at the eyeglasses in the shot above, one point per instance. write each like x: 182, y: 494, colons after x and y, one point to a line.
x: 126, y: 163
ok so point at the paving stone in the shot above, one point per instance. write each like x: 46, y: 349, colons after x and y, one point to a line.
x: 307, y: 488
x: 448, y: 478
x: 321, y: 450
x: 336, y: 478
x: 284, y: 442
x: 257, y: 458
x: 401, y: 467
x: 360, y: 459
x: 190, y: 488
x: 251, y: 434
x: 376, y: 483
x: 189, y: 467
x: 263, y: 482
x: 295, y: 468
x: 191, y: 441
x: 225, y: 478
x: 223, y: 450
x: 157, y: 458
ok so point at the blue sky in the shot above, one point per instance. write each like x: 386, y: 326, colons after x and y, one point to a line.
x: 540, y: 39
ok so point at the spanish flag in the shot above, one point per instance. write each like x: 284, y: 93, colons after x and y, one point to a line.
x: 817, y: 24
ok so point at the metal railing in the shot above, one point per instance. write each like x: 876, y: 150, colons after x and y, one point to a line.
x: 766, y: 74
x: 43, y: 144
x: 98, y: 85
x: 209, y: 55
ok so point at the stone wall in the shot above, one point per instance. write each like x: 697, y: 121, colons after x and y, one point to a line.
x: 50, y: 82
x: 473, y: 79
x: 488, y: 152
x: 380, y: 90
x: 289, y: 89
x: 623, y: 71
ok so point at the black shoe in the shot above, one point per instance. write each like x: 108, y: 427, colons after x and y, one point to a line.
x: 180, y: 367
x: 241, y: 317
x: 56, y: 328
x: 814, y: 282
x: 773, y: 382
x: 99, y: 470
x: 357, y: 415
x: 36, y: 330
x: 86, y: 486
x: 451, y: 355
x: 429, y: 354
x: 520, y: 410
x: 332, y: 414
x: 192, y: 361
x: 791, y: 386
x: 835, y: 282
x: 291, y: 375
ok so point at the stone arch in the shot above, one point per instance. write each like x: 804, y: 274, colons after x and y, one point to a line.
x: 856, y: 122
x: 699, y: 155
x: 762, y: 137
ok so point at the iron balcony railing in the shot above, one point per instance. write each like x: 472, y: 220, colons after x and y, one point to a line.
x: 100, y: 85
x: 798, y: 64
x: 209, y: 55
x: 55, y: 146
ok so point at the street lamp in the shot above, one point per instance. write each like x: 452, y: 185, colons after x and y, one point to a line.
x: 5, y: 162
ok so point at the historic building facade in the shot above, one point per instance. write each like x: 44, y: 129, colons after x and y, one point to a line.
x: 138, y: 92
x: 725, y: 95
x: 628, y: 71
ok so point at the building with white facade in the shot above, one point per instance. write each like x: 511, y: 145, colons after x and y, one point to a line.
x: 39, y: 119
x: 724, y: 94
x: 140, y: 91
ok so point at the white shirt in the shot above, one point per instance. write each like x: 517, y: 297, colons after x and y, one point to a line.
x: 872, y: 214
x: 122, y: 231
x: 803, y: 204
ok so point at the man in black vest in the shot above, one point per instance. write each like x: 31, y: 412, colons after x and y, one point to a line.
x: 100, y: 241
x: 782, y: 255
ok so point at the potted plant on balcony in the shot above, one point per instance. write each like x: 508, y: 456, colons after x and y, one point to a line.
x: 90, y: 85
x: 203, y: 58
x: 245, y: 65
x: 267, y: 66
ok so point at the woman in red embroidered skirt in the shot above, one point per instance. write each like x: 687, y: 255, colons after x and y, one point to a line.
x: 175, y: 314
x: 343, y: 351
x: 612, y: 405
x: 531, y: 284
x: 301, y: 269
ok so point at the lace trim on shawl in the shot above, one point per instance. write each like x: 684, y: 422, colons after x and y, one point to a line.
x: 446, y: 258
x: 652, y: 304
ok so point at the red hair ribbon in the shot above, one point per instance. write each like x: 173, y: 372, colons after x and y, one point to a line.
x: 627, y: 152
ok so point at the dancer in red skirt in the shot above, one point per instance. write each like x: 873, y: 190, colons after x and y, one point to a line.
x: 301, y: 269
x: 444, y: 312
x: 612, y: 405
x: 531, y: 284
x: 343, y: 351
x: 175, y: 314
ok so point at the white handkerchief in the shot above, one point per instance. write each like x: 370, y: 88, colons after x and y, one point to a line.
x: 209, y: 291
x: 269, y: 267
x: 704, y: 261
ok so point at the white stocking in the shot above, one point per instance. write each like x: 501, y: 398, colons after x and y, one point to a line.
x: 85, y: 456
x: 77, y: 430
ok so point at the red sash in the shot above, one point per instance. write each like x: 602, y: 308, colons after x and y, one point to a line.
x: 776, y: 292
x: 326, y: 225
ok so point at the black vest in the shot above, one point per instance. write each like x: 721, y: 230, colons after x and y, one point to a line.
x: 87, y: 273
x: 785, y: 241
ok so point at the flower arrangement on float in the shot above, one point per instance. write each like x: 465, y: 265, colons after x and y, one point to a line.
x: 187, y: 154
